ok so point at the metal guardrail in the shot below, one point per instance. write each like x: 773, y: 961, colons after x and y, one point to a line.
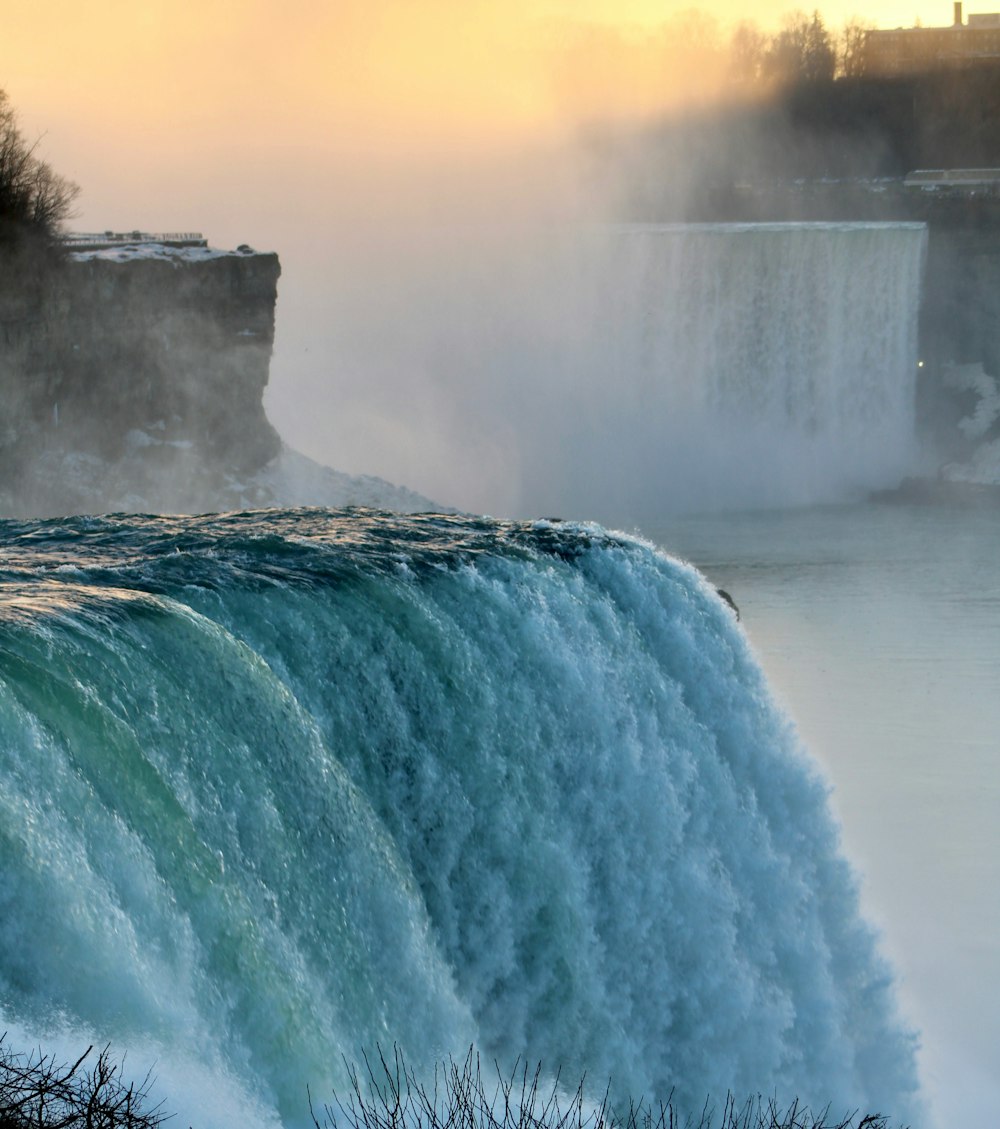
x: 952, y: 178
x: 96, y: 241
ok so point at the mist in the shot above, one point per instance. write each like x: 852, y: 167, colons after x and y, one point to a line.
x: 430, y: 334
x: 488, y: 337
x: 430, y: 179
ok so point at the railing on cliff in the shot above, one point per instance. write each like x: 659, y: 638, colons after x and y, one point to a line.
x: 966, y: 180
x: 99, y: 241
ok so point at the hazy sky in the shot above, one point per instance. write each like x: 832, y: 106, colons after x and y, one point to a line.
x: 149, y: 72
x: 355, y: 138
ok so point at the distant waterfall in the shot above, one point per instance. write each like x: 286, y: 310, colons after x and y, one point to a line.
x: 746, y: 365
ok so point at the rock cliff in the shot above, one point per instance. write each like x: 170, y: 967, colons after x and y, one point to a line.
x: 132, y: 378
x: 144, y: 367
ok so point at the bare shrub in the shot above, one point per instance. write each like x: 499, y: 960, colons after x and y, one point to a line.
x: 388, y: 1095
x: 37, y: 1091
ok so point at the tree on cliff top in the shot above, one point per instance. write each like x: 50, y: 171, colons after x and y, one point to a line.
x: 34, y: 200
x: 803, y: 51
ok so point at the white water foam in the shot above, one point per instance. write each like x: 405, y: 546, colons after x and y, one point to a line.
x: 304, y: 799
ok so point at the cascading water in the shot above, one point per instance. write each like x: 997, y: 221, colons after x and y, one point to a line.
x: 277, y: 787
x: 736, y: 365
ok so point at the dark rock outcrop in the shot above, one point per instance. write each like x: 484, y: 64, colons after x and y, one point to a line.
x: 133, y: 377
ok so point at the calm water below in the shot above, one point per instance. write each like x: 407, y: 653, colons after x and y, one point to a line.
x: 879, y: 627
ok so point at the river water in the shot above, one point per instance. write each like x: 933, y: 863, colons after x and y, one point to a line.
x: 879, y: 628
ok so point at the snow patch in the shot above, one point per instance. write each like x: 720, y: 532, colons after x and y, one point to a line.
x: 974, y: 378
x: 982, y: 468
x: 130, y: 252
x: 292, y: 479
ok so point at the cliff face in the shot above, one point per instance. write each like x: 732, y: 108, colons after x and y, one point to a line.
x: 133, y: 377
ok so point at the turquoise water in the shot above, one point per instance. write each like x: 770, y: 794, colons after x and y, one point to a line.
x: 280, y: 787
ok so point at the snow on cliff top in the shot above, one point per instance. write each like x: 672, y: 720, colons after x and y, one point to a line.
x: 129, y: 252
x: 127, y: 246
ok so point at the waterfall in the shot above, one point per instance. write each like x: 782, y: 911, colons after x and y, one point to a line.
x: 743, y: 365
x: 278, y: 788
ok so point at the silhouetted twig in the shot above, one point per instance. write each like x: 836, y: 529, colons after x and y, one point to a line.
x: 39, y: 1092
x: 390, y: 1096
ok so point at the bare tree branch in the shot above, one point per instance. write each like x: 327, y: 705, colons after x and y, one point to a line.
x: 33, y: 198
x: 39, y: 1092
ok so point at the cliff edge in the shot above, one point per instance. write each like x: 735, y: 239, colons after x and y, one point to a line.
x: 132, y: 379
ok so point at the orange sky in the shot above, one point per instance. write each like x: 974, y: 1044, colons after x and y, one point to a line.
x: 261, y: 76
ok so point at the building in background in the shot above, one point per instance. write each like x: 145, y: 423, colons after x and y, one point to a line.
x: 915, y: 50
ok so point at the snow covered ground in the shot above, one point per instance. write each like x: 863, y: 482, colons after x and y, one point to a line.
x: 982, y: 467
x: 292, y: 479
x: 159, y: 476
